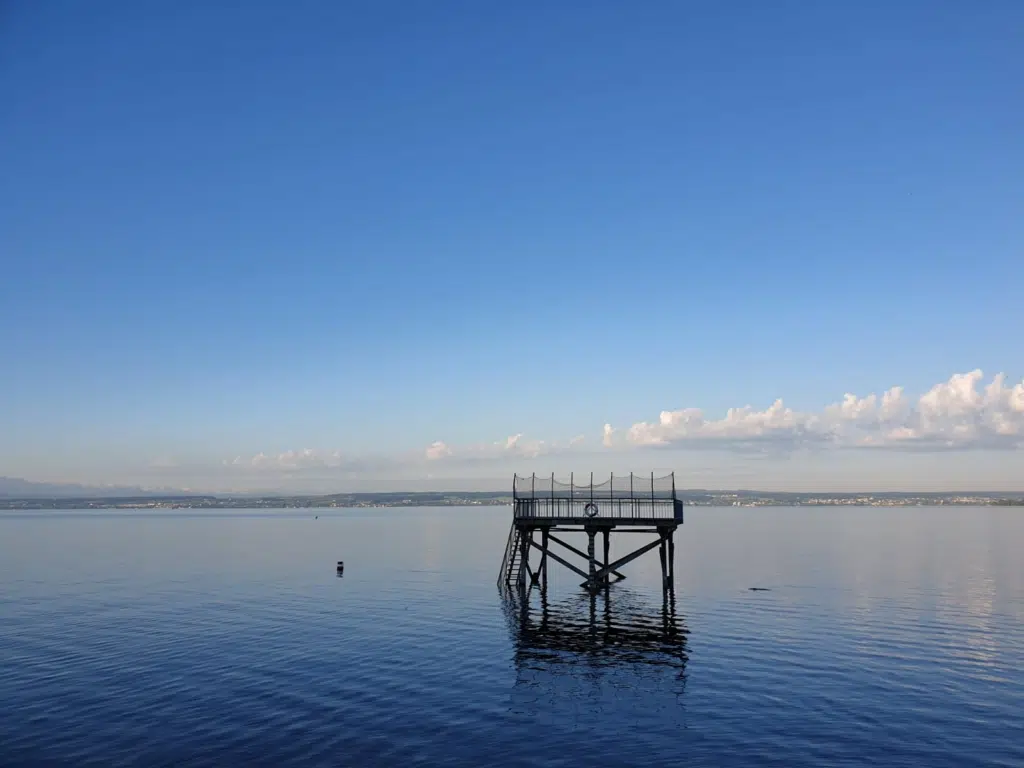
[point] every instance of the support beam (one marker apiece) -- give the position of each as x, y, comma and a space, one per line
663, 556
602, 572
671, 560
591, 579
566, 563
531, 578
583, 554
607, 549
524, 555
530, 575
626, 526
544, 535
535, 574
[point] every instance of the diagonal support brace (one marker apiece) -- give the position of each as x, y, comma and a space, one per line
558, 559
581, 553
601, 573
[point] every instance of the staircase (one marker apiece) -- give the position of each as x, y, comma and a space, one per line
511, 563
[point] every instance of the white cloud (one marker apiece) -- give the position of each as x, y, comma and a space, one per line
951, 415
512, 447
437, 450
961, 413
608, 436
308, 458
304, 460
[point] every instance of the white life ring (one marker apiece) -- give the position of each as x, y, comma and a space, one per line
590, 510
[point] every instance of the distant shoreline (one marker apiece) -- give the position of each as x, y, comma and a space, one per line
468, 499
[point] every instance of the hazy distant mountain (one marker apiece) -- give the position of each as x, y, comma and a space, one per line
16, 487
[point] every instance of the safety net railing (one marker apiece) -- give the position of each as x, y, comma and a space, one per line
625, 487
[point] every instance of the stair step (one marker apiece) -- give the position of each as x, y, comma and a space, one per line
513, 561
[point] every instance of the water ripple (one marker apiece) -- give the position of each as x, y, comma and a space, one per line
214, 640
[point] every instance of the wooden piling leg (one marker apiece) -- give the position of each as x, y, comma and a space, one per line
544, 560
524, 539
531, 577
672, 561
607, 551
664, 564
591, 583
535, 577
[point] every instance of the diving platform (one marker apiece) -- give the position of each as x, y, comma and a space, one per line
544, 507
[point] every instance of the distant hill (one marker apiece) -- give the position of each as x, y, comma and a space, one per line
18, 488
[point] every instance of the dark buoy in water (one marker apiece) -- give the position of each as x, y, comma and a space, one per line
752, 589
341, 567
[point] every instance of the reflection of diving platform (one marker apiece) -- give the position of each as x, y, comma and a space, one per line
543, 507
614, 655
618, 628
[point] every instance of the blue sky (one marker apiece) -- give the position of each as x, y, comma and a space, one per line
235, 235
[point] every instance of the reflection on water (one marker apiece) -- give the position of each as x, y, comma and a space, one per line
584, 655
889, 637
608, 629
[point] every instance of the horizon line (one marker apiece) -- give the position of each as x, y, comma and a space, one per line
509, 492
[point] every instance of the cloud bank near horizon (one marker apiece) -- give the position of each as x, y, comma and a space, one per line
961, 413
952, 415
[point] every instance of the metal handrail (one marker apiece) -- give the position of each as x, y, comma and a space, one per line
504, 559
617, 509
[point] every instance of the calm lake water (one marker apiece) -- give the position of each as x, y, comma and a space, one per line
888, 637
